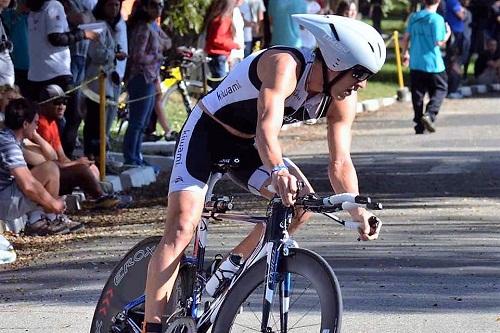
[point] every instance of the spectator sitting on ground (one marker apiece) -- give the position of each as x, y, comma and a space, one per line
487, 65
23, 191
78, 173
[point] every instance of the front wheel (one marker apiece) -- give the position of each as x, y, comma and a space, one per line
314, 303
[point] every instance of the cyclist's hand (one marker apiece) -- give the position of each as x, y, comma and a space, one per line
285, 185
366, 231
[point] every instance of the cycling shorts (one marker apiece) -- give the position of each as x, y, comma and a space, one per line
204, 142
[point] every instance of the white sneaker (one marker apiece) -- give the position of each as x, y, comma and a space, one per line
7, 253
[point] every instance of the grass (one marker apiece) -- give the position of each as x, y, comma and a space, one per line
385, 82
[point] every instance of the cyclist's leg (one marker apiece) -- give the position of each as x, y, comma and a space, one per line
187, 188
183, 213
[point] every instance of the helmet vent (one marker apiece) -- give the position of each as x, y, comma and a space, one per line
334, 31
379, 50
371, 46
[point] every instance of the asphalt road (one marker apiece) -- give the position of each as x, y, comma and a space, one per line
436, 267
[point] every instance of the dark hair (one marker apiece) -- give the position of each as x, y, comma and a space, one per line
35, 5
342, 7
18, 111
430, 2
138, 15
218, 8
100, 15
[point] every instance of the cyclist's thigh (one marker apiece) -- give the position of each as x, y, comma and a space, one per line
191, 165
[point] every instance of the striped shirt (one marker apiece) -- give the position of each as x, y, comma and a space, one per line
11, 157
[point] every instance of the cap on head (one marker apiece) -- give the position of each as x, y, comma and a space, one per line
51, 91
345, 42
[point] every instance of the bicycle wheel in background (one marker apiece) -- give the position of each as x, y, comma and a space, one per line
126, 283
315, 303
177, 105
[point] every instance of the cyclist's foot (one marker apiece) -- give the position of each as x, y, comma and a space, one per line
152, 328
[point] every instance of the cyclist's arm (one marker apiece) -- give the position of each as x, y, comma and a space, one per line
278, 75
341, 171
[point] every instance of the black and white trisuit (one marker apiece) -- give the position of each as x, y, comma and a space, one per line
203, 141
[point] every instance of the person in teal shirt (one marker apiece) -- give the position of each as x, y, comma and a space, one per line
425, 34
15, 21
284, 31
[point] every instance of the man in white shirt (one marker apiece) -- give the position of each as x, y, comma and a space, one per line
50, 61
6, 65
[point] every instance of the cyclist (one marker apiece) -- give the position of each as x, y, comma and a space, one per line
242, 118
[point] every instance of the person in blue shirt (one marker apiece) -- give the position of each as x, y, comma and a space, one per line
425, 34
284, 31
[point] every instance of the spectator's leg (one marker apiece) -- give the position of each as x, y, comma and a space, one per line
112, 111
21, 77
73, 120
417, 83
139, 112
91, 130
217, 65
82, 176
47, 173
248, 48
453, 81
438, 88
148, 110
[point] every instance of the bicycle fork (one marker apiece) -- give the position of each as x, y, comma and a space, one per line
276, 229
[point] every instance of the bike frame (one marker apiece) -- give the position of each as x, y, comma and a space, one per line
274, 243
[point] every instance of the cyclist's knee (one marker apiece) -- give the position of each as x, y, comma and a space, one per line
183, 214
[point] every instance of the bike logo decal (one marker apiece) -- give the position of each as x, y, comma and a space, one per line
138, 257
103, 310
229, 90
98, 326
178, 180
180, 147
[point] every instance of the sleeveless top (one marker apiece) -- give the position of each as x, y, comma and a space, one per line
234, 101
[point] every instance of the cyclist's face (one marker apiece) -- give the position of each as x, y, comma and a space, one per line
346, 85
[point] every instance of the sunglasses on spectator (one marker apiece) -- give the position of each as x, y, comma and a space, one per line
60, 101
360, 73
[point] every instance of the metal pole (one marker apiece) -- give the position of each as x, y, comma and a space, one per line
102, 124
398, 60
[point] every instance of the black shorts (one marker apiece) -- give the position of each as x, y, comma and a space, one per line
204, 142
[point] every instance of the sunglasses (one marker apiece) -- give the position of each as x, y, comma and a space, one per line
60, 101
360, 73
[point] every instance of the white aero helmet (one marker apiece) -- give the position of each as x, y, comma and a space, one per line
345, 42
